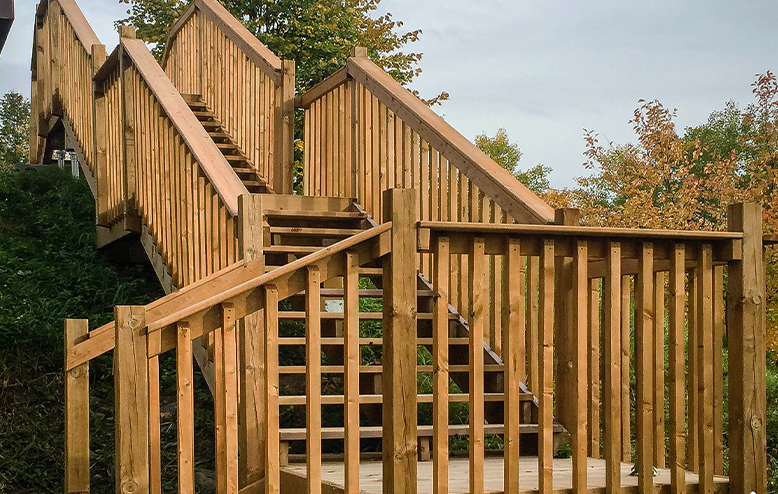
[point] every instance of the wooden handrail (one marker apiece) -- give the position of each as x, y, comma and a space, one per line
83, 30
230, 282
510, 194
581, 231
236, 32
211, 160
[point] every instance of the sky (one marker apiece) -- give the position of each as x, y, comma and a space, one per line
546, 69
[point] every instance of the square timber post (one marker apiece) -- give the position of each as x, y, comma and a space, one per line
399, 324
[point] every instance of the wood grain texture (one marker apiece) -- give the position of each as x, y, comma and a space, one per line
76, 414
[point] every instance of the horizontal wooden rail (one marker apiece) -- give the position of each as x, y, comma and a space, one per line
236, 280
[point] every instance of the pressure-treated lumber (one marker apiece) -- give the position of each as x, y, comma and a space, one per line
132, 400
352, 358
611, 331
546, 365
313, 379
676, 375
747, 364
76, 414
399, 326
477, 320
270, 402
440, 335
644, 349
185, 409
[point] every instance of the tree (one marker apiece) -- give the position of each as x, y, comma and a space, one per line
14, 129
507, 154
317, 34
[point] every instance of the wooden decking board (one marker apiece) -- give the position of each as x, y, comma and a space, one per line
370, 474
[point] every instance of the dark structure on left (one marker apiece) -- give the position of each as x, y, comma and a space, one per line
6, 19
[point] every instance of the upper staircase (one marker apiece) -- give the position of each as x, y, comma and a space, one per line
414, 292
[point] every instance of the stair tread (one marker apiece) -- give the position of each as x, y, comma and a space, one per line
283, 213
298, 434
315, 231
291, 249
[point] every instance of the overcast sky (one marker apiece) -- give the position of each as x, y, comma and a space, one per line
545, 70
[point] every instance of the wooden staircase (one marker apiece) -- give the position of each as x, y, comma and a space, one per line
244, 169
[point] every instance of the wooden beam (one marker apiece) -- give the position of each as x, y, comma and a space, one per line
132, 400
747, 361
677, 372
611, 331
76, 414
644, 363
440, 335
313, 380
399, 325
185, 410
513, 341
352, 359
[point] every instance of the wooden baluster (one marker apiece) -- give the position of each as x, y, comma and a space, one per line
677, 370
440, 335
718, 369
593, 368
313, 380
132, 400
270, 402
185, 407
513, 309
692, 437
533, 313
230, 407
352, 360
579, 354
626, 313
705, 318
76, 413
659, 369
747, 361
155, 433
611, 329
400, 349
477, 320
644, 350
546, 365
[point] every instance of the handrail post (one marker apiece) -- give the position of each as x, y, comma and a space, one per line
747, 360
131, 384
76, 413
100, 166
284, 139
253, 378
128, 133
565, 326
399, 325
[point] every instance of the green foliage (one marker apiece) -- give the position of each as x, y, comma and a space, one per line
317, 35
14, 129
49, 271
507, 154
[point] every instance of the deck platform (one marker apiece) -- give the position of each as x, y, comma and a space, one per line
370, 473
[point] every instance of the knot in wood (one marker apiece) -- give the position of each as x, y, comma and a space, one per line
129, 486
132, 323
756, 423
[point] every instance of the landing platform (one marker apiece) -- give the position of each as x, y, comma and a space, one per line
370, 474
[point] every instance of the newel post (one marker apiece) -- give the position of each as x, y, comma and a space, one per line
399, 358
131, 221
251, 341
283, 174
747, 362
131, 385
76, 412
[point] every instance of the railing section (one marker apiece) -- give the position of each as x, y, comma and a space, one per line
62, 69
246, 449
247, 87
364, 133
592, 283
156, 162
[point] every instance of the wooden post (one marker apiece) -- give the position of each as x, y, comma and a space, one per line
99, 167
76, 413
611, 330
284, 139
565, 327
128, 128
251, 414
132, 400
747, 364
399, 323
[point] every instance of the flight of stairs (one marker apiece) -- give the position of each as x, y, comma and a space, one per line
244, 169
291, 234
